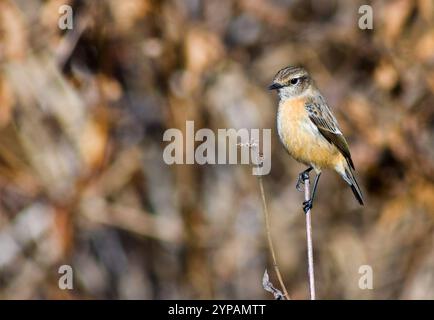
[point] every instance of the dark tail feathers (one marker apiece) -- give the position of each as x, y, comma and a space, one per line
354, 185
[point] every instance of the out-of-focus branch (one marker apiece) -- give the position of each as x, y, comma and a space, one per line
70, 40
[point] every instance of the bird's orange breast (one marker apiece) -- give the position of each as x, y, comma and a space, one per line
302, 138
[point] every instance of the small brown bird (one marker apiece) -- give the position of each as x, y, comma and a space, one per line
309, 131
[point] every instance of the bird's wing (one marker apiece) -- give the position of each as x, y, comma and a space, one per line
321, 116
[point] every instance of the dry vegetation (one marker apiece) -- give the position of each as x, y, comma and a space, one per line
82, 181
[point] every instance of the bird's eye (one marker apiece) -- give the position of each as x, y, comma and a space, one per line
294, 81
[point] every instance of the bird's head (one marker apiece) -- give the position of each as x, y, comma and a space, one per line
291, 82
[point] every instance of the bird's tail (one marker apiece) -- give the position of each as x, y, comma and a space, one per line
351, 180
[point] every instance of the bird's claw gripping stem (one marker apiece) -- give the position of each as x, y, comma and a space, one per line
307, 205
302, 177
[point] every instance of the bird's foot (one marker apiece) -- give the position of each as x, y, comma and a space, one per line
307, 205
302, 177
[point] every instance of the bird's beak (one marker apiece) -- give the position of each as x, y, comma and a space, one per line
274, 86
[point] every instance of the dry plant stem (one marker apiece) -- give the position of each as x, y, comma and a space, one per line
270, 241
309, 243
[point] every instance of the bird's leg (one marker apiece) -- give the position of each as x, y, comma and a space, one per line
309, 203
302, 177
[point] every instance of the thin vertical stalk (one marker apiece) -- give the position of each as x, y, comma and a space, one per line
309, 243
269, 239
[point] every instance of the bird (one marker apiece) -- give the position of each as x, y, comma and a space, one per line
310, 132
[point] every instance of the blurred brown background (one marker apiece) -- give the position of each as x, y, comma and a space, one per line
83, 182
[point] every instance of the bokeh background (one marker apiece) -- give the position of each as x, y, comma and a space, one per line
82, 178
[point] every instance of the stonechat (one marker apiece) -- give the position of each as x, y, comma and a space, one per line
309, 131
